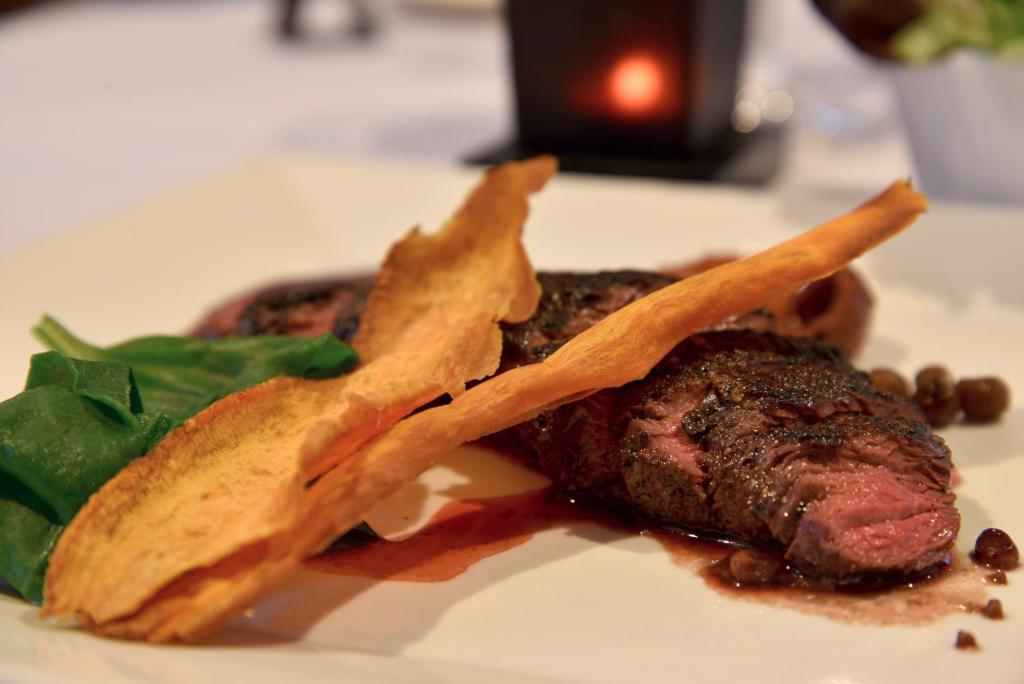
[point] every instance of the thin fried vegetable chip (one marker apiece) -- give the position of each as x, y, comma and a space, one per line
208, 496
609, 354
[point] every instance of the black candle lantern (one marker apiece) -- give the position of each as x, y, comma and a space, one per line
627, 86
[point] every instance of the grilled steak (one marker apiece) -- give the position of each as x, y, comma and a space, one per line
766, 439
572, 302
297, 309
771, 440
836, 309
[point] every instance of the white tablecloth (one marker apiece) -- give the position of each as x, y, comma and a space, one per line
107, 101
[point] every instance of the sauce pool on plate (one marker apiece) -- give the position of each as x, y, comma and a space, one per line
463, 533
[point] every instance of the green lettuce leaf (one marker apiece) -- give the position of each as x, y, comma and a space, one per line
995, 26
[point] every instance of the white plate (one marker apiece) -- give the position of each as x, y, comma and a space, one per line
595, 606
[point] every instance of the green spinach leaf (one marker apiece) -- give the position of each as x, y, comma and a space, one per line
28, 533
181, 375
88, 411
71, 430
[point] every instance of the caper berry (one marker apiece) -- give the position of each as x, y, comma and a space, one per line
937, 396
983, 400
888, 380
995, 549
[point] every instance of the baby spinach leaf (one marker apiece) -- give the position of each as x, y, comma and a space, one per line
87, 411
71, 430
28, 533
64, 446
181, 375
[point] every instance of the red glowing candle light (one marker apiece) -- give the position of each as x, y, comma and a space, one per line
636, 85
598, 80
633, 87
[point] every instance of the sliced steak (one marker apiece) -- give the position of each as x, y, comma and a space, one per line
836, 309
766, 439
569, 304
771, 440
298, 309
572, 302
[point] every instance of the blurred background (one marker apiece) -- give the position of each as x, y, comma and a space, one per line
103, 102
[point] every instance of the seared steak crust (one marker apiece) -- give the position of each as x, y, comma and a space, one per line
307, 310
770, 440
572, 302
569, 304
297, 309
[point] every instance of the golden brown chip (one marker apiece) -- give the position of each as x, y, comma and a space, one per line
211, 494
607, 355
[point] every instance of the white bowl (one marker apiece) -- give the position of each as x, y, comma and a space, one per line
964, 117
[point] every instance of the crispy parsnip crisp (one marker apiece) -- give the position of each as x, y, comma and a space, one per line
210, 495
